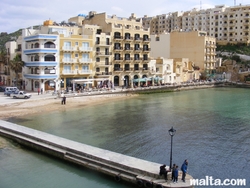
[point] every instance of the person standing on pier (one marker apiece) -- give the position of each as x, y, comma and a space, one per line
173, 168
184, 170
176, 173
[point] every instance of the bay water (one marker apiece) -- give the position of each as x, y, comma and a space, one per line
213, 133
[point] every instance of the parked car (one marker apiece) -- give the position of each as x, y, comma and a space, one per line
2, 88
7, 89
20, 95
9, 92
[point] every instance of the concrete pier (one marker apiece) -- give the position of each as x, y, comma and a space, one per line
121, 167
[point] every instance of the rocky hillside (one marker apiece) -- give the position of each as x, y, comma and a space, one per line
8, 37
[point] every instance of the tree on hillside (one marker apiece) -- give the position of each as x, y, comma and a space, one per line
16, 65
3, 57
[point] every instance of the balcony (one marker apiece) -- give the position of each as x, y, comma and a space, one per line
146, 50
128, 69
118, 49
69, 72
128, 39
246, 29
185, 69
103, 64
103, 74
100, 43
137, 49
137, 59
168, 71
137, 69
128, 59
128, 49
246, 23
146, 40
68, 60
103, 53
118, 38
118, 59
85, 60
40, 76
118, 69
85, 49
40, 50
146, 60
69, 48
18, 51
138, 40
84, 72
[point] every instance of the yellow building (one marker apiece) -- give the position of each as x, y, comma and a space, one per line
197, 47
121, 48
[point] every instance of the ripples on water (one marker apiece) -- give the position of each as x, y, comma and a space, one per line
212, 130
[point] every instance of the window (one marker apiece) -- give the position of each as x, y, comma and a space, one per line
36, 84
67, 69
76, 55
36, 58
85, 68
157, 39
76, 43
66, 56
36, 45
86, 56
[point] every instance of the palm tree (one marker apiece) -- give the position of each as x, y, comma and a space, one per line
16, 65
3, 60
3, 57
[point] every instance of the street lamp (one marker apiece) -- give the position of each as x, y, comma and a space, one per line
171, 132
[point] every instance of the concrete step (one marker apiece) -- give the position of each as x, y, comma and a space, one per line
100, 164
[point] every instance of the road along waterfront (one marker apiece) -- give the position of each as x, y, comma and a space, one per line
212, 132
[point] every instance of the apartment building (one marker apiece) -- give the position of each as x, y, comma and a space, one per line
9, 77
122, 48
55, 54
226, 24
199, 48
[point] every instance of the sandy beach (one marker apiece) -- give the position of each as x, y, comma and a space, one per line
47, 105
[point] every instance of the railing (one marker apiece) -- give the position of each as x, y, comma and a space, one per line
65, 60
85, 60
69, 72
118, 69
69, 48
84, 71
85, 49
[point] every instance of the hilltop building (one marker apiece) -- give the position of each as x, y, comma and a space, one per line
226, 24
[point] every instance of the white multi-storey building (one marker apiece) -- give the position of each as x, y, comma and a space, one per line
41, 57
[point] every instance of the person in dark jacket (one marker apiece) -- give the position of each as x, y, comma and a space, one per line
176, 173
184, 170
164, 172
173, 168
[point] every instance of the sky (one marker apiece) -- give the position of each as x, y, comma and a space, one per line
19, 14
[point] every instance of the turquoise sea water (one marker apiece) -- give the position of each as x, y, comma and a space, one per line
213, 133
